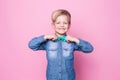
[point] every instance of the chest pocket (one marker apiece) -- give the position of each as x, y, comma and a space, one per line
52, 49
67, 49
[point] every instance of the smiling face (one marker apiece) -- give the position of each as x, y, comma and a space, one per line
61, 25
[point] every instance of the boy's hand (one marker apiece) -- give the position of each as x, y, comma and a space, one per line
71, 39
50, 37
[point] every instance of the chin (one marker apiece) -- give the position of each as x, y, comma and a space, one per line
62, 32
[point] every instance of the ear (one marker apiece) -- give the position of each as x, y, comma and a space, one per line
53, 25
69, 26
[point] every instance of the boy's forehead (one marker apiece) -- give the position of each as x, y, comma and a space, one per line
62, 17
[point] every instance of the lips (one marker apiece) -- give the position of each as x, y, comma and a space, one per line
61, 28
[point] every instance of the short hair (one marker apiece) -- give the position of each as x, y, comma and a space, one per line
60, 12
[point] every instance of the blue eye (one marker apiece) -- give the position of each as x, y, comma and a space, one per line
65, 23
58, 23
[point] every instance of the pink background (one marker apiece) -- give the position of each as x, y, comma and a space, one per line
97, 21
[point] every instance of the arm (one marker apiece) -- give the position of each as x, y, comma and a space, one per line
37, 43
83, 46
80, 44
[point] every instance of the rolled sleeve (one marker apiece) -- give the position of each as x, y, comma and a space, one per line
37, 43
83, 46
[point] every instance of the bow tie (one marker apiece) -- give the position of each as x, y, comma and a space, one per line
61, 38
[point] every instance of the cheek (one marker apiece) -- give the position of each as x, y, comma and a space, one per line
56, 26
67, 27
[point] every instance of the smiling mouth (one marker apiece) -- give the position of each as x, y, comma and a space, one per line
61, 28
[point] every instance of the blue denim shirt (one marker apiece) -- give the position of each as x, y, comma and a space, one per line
60, 56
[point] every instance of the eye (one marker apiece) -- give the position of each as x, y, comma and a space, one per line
65, 22
58, 23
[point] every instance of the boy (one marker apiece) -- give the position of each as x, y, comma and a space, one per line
60, 47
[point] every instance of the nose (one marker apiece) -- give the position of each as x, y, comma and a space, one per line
62, 25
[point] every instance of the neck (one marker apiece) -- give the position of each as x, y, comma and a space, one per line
60, 34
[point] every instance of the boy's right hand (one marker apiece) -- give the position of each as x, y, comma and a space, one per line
50, 37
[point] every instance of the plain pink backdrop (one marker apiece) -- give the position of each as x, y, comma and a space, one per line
97, 21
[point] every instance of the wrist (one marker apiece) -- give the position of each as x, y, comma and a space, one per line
45, 38
76, 40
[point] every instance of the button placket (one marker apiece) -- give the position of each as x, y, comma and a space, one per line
60, 61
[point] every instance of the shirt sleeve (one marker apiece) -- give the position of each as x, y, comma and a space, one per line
83, 46
37, 43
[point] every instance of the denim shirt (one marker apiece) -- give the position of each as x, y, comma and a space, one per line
60, 56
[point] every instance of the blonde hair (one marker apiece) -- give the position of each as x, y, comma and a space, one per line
60, 12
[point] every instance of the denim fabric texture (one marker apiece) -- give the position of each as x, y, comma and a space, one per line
60, 56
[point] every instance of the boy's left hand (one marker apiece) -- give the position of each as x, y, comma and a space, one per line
71, 39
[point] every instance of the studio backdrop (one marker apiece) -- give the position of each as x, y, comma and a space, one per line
97, 21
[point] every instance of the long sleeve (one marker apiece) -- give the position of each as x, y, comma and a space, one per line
83, 46
37, 43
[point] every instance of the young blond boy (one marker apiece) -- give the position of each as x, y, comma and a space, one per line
60, 47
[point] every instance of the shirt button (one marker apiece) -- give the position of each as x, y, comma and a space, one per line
60, 72
59, 64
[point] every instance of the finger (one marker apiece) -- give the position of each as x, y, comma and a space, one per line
53, 39
67, 40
